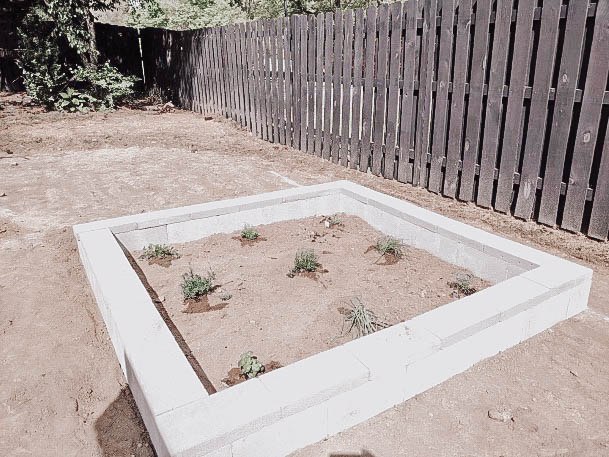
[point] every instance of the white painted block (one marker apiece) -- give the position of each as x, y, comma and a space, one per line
357, 405
311, 381
285, 436
462, 318
217, 421
387, 352
578, 301
559, 274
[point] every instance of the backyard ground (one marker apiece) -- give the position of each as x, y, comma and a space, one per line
61, 389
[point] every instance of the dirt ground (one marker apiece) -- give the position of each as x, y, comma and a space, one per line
61, 389
257, 307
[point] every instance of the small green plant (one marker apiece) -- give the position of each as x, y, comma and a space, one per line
332, 221
159, 251
463, 284
362, 320
389, 245
305, 260
249, 233
249, 365
195, 286
74, 101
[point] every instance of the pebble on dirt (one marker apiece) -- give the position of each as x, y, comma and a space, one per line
500, 415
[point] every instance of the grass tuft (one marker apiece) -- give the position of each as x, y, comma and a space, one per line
249, 233
389, 245
195, 286
305, 260
159, 251
362, 320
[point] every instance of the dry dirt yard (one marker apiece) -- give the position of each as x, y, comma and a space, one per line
61, 390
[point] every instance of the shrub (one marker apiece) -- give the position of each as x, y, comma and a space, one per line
195, 286
249, 365
249, 233
159, 251
305, 260
362, 320
389, 245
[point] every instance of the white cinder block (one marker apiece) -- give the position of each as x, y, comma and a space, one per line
285, 436
387, 352
311, 381
558, 274
548, 313
462, 318
138, 239
357, 405
578, 301
217, 421
485, 266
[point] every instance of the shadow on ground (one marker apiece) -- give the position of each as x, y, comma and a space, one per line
120, 430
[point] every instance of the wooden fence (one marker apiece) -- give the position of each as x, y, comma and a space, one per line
500, 102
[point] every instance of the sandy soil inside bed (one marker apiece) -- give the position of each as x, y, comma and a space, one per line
258, 307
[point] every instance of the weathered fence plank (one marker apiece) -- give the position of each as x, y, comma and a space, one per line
311, 85
409, 72
476, 99
588, 127
515, 111
393, 97
356, 100
380, 107
319, 83
328, 64
568, 77
347, 84
546, 53
441, 109
494, 102
369, 64
336, 84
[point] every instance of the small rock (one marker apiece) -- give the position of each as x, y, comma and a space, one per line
27, 100
500, 415
2, 194
574, 373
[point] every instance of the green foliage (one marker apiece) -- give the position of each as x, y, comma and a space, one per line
249, 365
195, 286
58, 57
186, 14
362, 320
159, 251
305, 260
463, 284
249, 233
389, 245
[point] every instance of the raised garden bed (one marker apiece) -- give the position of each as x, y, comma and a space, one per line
257, 304
329, 391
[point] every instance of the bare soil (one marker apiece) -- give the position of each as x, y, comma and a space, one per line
61, 389
284, 317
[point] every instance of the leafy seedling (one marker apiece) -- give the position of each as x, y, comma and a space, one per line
332, 221
305, 261
249, 233
362, 320
462, 284
389, 245
195, 286
249, 365
159, 251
